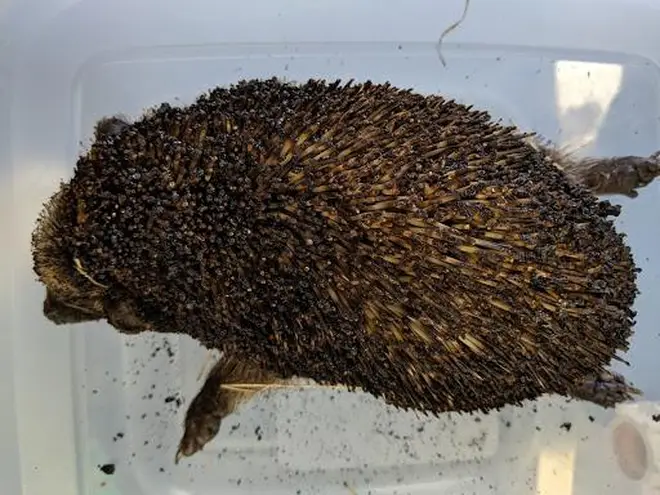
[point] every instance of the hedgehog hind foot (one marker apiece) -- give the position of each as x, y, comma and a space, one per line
606, 389
200, 429
229, 383
623, 175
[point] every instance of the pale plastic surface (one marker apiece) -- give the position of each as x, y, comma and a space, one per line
571, 70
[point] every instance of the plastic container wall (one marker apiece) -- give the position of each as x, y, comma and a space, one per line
583, 73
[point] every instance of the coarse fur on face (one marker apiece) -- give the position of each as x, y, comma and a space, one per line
72, 296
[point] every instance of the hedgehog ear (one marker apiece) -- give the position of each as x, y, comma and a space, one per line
110, 126
123, 315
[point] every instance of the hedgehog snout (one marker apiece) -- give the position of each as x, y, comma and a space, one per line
68, 312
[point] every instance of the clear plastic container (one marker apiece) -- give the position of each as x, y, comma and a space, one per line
580, 72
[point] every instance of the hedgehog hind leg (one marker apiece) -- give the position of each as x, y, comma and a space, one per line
623, 175
217, 399
606, 389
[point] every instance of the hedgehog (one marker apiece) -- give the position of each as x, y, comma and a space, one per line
354, 234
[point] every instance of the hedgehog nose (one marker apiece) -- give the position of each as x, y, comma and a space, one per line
49, 306
50, 310
61, 314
